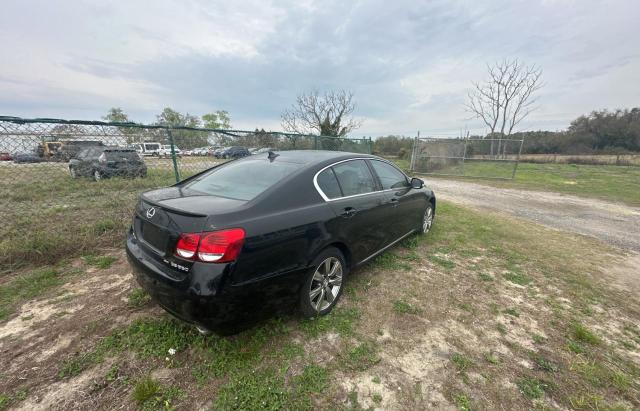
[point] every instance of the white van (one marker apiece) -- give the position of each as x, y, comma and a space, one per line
148, 149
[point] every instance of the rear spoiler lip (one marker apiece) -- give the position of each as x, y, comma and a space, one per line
173, 210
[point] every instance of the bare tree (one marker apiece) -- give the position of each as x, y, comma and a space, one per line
329, 114
505, 98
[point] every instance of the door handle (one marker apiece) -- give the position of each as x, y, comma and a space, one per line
394, 202
349, 212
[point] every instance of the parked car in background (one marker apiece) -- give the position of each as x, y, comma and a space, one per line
165, 151
219, 152
148, 149
235, 152
105, 162
238, 241
4, 156
264, 150
26, 158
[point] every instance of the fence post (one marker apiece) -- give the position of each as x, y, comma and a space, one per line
370, 145
173, 156
515, 167
315, 142
464, 153
413, 153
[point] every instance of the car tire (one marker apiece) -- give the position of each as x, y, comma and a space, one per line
427, 220
324, 283
97, 176
73, 173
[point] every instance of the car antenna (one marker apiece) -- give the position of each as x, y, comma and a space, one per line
272, 156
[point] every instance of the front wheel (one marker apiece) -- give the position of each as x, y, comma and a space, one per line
97, 176
427, 219
323, 286
72, 172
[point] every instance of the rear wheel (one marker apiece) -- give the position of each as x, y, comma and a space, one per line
97, 176
323, 286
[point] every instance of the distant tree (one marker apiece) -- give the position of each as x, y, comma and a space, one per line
116, 115
505, 98
219, 119
329, 114
183, 138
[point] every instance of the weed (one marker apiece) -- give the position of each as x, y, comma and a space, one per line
104, 226
361, 357
259, 390
501, 328
462, 402
101, 261
491, 358
574, 347
583, 334
485, 277
146, 390
4, 401
461, 362
442, 262
531, 388
313, 379
113, 372
376, 380
537, 338
341, 320
517, 278
377, 398
545, 364
138, 298
403, 307
511, 311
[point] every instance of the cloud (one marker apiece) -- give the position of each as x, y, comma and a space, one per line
409, 63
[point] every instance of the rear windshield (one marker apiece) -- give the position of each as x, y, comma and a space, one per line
243, 180
121, 155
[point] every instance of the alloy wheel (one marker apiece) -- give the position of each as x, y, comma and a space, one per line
427, 220
97, 176
326, 284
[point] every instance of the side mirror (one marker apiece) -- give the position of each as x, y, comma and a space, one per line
416, 183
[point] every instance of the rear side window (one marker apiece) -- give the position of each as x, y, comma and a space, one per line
243, 180
115, 155
328, 184
389, 176
354, 177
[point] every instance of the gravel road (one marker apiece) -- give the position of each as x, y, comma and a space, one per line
613, 223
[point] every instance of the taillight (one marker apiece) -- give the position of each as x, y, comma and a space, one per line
102, 158
187, 245
216, 246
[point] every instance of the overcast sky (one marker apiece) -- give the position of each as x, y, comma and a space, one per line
409, 63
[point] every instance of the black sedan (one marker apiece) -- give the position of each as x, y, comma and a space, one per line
238, 240
100, 162
235, 152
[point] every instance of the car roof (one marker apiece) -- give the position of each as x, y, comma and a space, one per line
311, 157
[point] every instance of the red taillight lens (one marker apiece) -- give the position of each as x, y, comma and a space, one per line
217, 246
221, 246
187, 245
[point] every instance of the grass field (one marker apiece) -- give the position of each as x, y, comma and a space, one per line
483, 313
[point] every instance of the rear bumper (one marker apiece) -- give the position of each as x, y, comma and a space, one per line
204, 296
137, 171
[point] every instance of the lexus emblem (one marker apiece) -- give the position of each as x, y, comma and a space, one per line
151, 212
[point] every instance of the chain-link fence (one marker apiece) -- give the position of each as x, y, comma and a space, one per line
51, 205
466, 157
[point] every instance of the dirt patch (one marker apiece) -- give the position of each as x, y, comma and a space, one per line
47, 330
